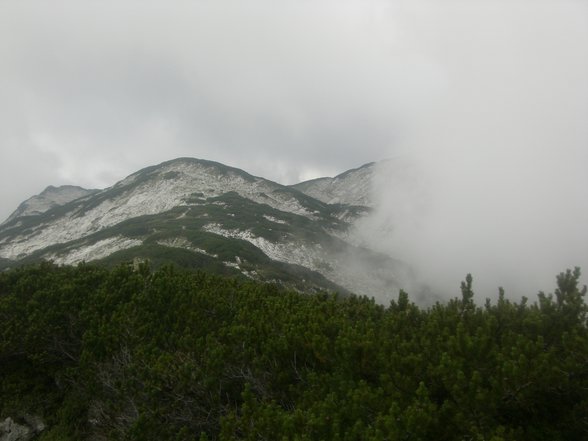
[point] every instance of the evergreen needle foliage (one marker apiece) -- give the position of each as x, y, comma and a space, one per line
131, 354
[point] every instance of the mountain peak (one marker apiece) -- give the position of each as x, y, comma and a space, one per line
49, 198
204, 214
352, 187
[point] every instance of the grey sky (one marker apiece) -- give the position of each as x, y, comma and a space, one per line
489, 98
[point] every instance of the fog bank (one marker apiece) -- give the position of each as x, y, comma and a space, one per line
491, 179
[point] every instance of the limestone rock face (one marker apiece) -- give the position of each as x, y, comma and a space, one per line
26, 430
206, 215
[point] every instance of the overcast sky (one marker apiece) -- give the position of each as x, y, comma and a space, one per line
488, 97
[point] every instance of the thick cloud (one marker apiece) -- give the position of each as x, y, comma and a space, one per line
495, 182
487, 99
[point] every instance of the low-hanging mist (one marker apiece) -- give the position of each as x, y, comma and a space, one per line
491, 178
514, 230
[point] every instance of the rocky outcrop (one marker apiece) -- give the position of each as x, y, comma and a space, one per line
27, 428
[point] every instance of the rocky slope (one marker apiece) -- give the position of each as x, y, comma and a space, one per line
49, 198
353, 187
202, 214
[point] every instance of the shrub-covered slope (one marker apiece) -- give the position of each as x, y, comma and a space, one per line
132, 354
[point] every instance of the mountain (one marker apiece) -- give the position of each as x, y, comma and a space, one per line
352, 187
202, 214
49, 198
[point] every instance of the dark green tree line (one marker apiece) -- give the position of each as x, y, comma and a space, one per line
139, 355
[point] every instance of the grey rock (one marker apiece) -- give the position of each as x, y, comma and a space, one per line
29, 427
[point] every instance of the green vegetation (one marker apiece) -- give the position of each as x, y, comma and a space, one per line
133, 354
5, 263
158, 256
230, 211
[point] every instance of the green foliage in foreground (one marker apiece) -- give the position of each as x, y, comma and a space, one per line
133, 355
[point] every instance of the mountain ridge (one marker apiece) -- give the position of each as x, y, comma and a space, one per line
340, 189
50, 197
204, 214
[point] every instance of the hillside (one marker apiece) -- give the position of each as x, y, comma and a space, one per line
129, 354
353, 187
49, 198
205, 215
